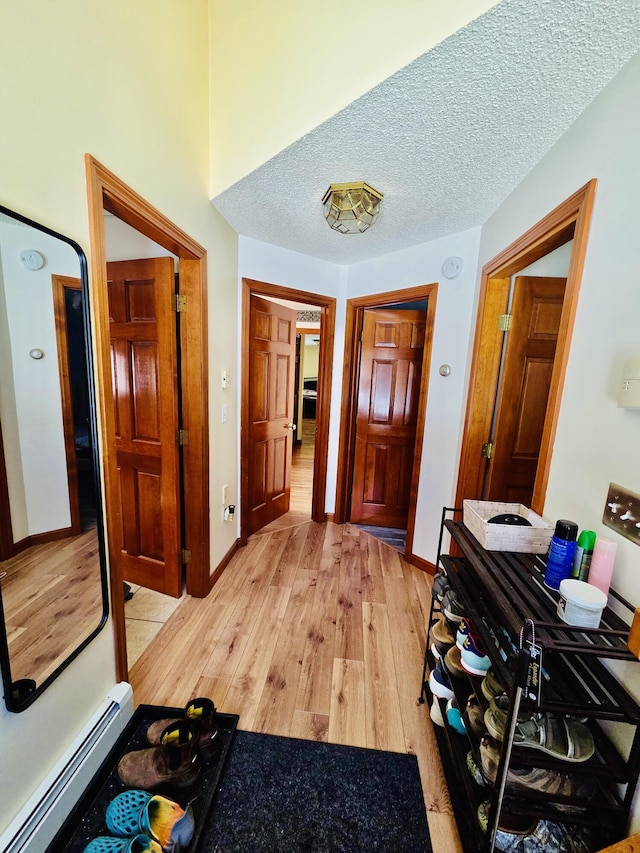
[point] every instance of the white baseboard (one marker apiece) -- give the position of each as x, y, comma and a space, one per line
36, 824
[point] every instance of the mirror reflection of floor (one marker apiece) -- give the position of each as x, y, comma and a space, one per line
145, 614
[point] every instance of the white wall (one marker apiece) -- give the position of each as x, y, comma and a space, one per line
596, 442
404, 269
445, 413
303, 62
129, 84
35, 452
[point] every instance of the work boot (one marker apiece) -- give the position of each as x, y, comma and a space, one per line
201, 713
174, 761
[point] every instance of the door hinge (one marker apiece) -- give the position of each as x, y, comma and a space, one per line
504, 322
185, 556
179, 303
487, 450
182, 437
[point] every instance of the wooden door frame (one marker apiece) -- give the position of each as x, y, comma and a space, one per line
106, 191
570, 220
353, 325
327, 306
59, 284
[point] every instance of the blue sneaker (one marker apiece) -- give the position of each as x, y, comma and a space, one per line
462, 633
473, 658
454, 717
439, 682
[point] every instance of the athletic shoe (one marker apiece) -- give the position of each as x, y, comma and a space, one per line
541, 836
474, 770
439, 682
473, 717
451, 606
436, 714
440, 586
462, 632
452, 661
441, 638
454, 718
490, 686
540, 779
472, 656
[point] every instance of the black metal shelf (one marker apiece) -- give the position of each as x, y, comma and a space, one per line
500, 592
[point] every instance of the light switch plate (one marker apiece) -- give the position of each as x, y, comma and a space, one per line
622, 512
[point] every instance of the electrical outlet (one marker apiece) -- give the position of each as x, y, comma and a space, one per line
622, 512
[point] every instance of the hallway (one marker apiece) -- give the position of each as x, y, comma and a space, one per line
316, 631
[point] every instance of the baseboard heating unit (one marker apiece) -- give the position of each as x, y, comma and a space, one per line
35, 826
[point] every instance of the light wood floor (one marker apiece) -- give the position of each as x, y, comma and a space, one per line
314, 631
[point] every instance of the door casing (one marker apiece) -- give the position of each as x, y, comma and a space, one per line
106, 191
353, 324
327, 306
570, 220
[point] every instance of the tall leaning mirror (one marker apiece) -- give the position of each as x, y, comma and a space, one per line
53, 584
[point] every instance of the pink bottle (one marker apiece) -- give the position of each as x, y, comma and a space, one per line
601, 569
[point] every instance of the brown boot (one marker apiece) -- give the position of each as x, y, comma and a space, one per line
174, 761
201, 713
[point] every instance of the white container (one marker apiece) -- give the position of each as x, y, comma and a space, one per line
532, 539
580, 603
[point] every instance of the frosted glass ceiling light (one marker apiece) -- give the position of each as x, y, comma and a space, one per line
351, 208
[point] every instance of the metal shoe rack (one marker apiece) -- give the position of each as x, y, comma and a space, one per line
502, 592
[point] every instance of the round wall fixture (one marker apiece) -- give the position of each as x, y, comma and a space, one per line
444, 369
36, 353
31, 260
452, 267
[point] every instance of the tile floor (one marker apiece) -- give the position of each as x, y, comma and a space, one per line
145, 614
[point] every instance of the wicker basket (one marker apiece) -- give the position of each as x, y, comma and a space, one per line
507, 537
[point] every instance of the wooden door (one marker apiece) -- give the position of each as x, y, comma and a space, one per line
272, 353
145, 397
528, 365
388, 395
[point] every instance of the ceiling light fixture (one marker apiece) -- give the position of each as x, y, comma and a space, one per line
351, 208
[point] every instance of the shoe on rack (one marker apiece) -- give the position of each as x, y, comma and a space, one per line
451, 607
473, 657
454, 718
462, 633
490, 686
539, 779
135, 812
474, 770
201, 713
440, 683
441, 637
440, 586
541, 836
562, 737
436, 714
473, 717
453, 663
175, 761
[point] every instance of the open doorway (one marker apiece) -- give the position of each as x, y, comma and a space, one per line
567, 224
386, 377
261, 454
107, 193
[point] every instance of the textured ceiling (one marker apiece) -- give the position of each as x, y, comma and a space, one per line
448, 137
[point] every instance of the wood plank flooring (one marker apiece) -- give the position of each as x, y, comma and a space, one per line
314, 631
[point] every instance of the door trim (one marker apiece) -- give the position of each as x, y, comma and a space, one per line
569, 220
327, 305
106, 191
353, 324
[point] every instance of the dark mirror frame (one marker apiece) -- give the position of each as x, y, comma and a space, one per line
20, 694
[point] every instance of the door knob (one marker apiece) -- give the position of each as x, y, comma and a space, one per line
289, 426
